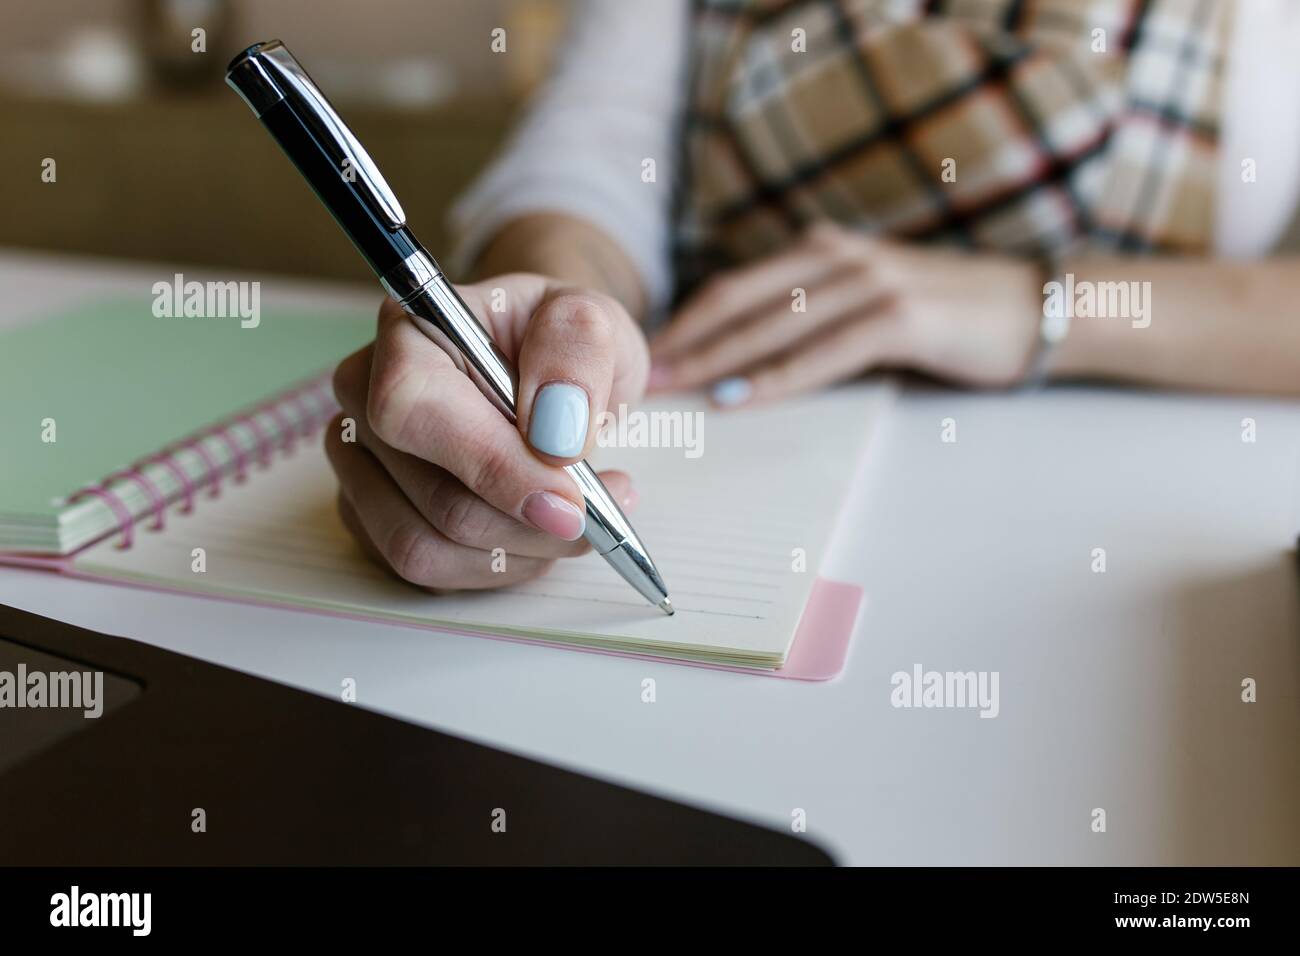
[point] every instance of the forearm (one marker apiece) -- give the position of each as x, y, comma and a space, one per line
567, 248
1233, 326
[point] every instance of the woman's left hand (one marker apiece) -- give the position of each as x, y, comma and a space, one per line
868, 303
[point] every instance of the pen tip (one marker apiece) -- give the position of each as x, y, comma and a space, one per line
666, 606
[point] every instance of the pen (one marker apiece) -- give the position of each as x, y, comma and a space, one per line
296, 114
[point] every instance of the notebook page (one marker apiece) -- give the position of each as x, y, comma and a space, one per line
737, 523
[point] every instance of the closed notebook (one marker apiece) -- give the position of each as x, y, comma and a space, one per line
109, 388
737, 508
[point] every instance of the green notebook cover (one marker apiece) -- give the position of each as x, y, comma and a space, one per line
111, 382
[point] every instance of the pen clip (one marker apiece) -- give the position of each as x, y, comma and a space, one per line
266, 73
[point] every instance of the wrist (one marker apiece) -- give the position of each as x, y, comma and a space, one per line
566, 248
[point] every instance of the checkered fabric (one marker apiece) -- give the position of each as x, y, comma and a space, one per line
1032, 127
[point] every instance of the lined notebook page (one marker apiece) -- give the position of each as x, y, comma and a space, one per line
738, 532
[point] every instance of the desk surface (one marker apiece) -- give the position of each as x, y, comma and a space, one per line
1120, 690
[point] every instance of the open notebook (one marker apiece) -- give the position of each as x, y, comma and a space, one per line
243, 507
738, 532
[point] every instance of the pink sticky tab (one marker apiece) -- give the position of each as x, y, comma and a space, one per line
821, 642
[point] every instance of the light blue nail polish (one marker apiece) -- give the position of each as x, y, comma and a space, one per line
559, 423
732, 391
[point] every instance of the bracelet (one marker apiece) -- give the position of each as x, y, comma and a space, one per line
1052, 327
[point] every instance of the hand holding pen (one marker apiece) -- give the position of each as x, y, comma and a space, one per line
438, 478
437, 399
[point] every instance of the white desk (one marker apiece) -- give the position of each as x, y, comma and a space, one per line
1118, 690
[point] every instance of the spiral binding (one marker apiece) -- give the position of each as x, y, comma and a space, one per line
311, 414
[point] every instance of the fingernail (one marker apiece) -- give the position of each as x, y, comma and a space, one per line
559, 422
660, 375
555, 515
630, 499
732, 391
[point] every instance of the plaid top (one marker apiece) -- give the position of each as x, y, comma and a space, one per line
1025, 126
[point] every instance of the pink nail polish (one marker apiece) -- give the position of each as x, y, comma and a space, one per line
549, 512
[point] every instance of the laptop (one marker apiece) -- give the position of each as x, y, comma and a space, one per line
120, 753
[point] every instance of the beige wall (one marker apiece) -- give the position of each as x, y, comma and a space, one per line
148, 175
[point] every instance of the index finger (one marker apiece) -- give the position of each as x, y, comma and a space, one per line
421, 403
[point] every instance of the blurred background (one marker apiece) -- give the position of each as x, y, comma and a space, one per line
156, 159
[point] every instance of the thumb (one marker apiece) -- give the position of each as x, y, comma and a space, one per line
579, 351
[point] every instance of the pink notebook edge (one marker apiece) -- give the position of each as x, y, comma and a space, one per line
817, 653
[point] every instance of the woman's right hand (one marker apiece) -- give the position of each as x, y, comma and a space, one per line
437, 484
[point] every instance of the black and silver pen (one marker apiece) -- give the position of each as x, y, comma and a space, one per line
346, 180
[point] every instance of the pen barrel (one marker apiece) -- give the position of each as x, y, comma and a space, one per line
316, 140
442, 315
382, 245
